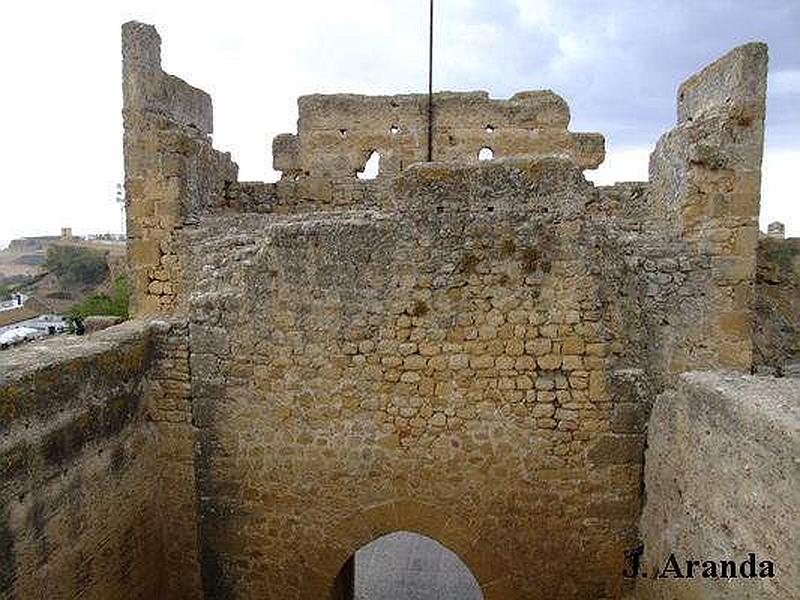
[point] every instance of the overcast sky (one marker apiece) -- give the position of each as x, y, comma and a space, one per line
618, 64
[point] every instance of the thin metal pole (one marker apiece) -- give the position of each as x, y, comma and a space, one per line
430, 89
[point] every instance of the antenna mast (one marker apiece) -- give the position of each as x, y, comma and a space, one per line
430, 88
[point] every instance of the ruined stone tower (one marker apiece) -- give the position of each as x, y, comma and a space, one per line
465, 349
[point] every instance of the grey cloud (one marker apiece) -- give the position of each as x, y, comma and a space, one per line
640, 52
636, 54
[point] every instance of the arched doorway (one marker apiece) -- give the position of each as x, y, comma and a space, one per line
405, 566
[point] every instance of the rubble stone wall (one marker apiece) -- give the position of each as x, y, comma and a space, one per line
169, 403
89, 485
706, 175
170, 168
77, 498
464, 349
338, 133
173, 174
777, 306
442, 368
689, 236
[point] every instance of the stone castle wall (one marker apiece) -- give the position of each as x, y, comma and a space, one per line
77, 498
777, 306
169, 167
95, 501
465, 349
338, 133
450, 347
689, 236
444, 368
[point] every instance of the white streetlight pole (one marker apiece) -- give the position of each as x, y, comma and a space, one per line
121, 201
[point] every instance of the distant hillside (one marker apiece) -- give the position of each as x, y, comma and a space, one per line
63, 273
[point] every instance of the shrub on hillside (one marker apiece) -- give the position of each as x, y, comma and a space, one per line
115, 304
74, 265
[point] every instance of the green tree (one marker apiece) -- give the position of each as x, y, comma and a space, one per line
74, 265
114, 304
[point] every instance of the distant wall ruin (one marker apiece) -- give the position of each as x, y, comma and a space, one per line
337, 133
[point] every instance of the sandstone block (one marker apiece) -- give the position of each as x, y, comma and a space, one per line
549, 362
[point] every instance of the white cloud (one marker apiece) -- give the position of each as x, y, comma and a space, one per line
621, 164
780, 198
573, 48
784, 82
535, 13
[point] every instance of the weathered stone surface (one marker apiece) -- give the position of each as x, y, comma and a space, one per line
733, 86
616, 450
500, 322
96, 500
338, 133
693, 230
385, 353
149, 90
721, 479
776, 230
170, 167
100, 322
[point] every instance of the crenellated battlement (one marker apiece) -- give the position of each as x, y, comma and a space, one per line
338, 133
174, 176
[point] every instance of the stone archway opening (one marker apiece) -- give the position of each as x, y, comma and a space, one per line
371, 168
485, 153
405, 566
